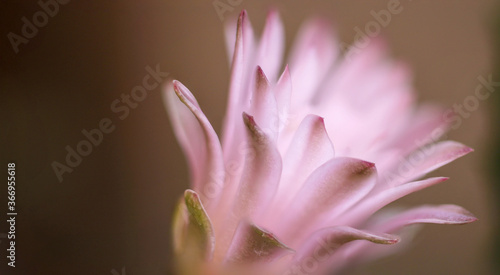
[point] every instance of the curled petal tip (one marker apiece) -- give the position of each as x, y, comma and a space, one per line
260, 71
366, 168
178, 86
248, 119
272, 13
385, 239
243, 14
471, 218
368, 164
442, 179
316, 118
465, 215
184, 94
261, 74
261, 79
251, 124
468, 150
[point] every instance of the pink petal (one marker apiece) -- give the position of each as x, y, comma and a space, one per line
261, 173
230, 29
352, 71
425, 126
238, 87
283, 94
252, 245
315, 255
328, 191
423, 161
263, 106
271, 47
199, 140
440, 214
313, 54
373, 203
310, 148
359, 253
259, 182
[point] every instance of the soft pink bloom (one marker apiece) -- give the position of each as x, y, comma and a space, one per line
309, 155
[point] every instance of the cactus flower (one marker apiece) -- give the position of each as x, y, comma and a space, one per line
312, 149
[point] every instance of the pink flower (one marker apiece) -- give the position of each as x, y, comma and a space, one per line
308, 158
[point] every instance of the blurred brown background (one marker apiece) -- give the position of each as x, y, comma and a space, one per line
114, 209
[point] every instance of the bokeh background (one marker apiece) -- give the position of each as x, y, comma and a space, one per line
112, 213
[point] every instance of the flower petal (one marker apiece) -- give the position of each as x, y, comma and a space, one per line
355, 254
440, 214
283, 94
259, 182
271, 47
373, 203
263, 106
310, 148
425, 126
313, 54
424, 160
199, 140
321, 245
328, 191
261, 174
239, 94
251, 245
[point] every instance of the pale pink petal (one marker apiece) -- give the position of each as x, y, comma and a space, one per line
310, 148
238, 88
440, 214
199, 140
254, 245
313, 54
372, 204
350, 72
230, 29
288, 121
425, 126
422, 127
355, 254
423, 161
188, 132
261, 173
271, 46
263, 106
328, 191
283, 94
315, 255
258, 185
